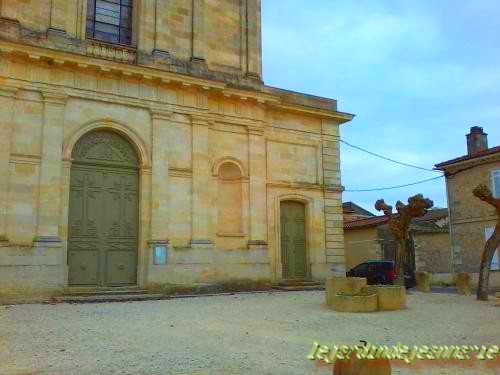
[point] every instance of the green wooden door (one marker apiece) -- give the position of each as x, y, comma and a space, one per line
293, 240
103, 212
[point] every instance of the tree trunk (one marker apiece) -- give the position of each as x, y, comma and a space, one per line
484, 270
400, 262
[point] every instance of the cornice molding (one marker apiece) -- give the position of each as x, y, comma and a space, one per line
257, 128
54, 97
465, 165
8, 91
72, 60
201, 119
159, 113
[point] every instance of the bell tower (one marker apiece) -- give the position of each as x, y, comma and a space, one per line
217, 38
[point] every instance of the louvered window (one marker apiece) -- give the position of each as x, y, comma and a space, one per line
110, 21
495, 177
495, 266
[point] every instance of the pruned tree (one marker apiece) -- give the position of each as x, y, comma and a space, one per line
484, 193
399, 225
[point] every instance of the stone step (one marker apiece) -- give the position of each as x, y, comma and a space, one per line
298, 282
298, 288
104, 292
100, 298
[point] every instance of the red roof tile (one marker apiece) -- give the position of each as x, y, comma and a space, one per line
487, 152
431, 215
366, 223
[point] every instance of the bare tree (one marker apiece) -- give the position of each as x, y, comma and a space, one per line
399, 224
484, 193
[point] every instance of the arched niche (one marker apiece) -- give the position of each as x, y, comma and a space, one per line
229, 198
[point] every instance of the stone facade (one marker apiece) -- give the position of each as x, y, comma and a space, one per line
432, 251
211, 141
469, 217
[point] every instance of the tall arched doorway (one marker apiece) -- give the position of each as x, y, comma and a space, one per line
293, 239
103, 211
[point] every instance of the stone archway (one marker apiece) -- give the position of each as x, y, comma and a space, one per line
103, 211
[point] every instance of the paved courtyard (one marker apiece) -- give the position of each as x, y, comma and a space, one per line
267, 333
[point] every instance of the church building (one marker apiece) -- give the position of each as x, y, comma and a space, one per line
139, 147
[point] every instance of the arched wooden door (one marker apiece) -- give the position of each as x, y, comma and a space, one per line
293, 240
103, 211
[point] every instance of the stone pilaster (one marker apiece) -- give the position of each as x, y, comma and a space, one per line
199, 32
7, 103
257, 176
9, 9
254, 39
159, 185
201, 223
334, 231
145, 39
57, 18
50, 170
160, 51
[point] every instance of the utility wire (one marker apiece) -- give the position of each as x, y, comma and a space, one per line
394, 187
388, 159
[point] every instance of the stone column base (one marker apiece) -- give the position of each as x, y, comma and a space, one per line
47, 241
199, 64
4, 241
257, 245
51, 32
201, 244
161, 56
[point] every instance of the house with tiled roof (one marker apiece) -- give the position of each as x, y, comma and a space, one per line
369, 238
352, 212
472, 221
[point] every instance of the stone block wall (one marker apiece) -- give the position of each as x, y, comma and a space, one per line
212, 38
469, 216
433, 252
183, 130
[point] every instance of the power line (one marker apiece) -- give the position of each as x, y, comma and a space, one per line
388, 159
394, 187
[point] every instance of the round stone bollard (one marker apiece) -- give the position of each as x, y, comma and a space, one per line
463, 283
423, 281
355, 366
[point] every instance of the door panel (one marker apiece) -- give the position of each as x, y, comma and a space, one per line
85, 230
293, 240
103, 212
83, 266
121, 267
120, 213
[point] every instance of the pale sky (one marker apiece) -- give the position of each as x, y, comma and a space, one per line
416, 73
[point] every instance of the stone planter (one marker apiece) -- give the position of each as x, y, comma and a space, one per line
423, 281
350, 303
343, 285
391, 297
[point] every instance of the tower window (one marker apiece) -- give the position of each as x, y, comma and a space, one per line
110, 20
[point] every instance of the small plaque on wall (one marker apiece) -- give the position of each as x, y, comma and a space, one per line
160, 255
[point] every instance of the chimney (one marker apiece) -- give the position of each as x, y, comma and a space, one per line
477, 140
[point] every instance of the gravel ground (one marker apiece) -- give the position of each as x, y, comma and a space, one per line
269, 333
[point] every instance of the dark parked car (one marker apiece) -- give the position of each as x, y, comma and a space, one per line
380, 272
